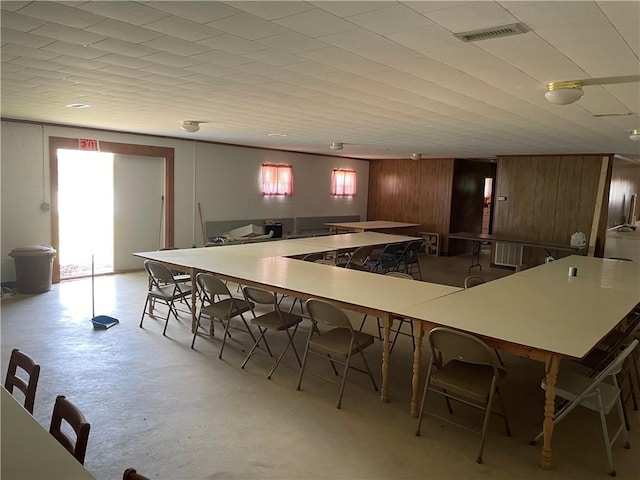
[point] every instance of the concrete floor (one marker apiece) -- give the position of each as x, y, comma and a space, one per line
176, 413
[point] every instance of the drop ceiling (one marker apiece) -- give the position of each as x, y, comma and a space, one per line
387, 79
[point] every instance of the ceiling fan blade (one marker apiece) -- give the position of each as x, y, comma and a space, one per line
610, 80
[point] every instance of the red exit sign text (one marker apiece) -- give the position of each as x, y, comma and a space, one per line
88, 144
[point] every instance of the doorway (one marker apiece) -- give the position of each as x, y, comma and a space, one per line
85, 208
164, 157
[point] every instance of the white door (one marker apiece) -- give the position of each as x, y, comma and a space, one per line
138, 208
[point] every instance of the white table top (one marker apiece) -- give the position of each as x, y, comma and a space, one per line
565, 317
372, 225
600, 272
29, 451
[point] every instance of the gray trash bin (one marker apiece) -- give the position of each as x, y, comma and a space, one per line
34, 267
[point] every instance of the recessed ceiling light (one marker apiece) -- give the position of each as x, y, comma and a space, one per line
77, 105
336, 146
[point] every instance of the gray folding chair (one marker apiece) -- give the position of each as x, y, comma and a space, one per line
597, 395
463, 368
163, 288
473, 280
340, 340
411, 258
218, 304
275, 320
359, 259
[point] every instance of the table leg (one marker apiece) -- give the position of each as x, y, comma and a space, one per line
418, 333
552, 368
475, 255
194, 301
386, 328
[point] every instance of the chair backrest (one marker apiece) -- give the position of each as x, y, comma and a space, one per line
67, 411
461, 346
158, 273
324, 261
328, 314
258, 295
360, 256
312, 257
406, 276
211, 286
27, 387
473, 280
613, 367
411, 251
131, 474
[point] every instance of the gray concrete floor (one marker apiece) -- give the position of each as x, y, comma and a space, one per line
176, 413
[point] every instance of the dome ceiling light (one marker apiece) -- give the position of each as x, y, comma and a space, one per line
190, 126
335, 146
564, 93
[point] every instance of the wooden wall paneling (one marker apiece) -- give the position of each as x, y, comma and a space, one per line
505, 170
568, 199
545, 196
434, 210
625, 181
589, 181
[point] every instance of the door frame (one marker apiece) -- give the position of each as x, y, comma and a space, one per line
162, 153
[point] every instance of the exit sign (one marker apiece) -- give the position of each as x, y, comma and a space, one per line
88, 145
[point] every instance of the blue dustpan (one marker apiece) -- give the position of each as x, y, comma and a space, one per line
101, 321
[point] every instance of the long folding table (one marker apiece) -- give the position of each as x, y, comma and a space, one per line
541, 313
29, 451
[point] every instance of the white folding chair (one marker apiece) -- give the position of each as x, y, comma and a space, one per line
594, 394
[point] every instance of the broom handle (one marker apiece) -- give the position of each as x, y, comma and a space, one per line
161, 218
93, 306
204, 237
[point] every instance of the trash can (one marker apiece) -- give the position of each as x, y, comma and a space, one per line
276, 228
34, 267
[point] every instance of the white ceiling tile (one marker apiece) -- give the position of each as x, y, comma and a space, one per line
355, 40
171, 60
82, 64
471, 16
8, 35
548, 14
274, 57
362, 67
72, 49
260, 69
316, 23
309, 67
28, 52
332, 56
232, 44
58, 13
293, 42
248, 79
123, 71
183, 29
423, 38
393, 19
210, 69
124, 61
68, 34
176, 46
247, 26
130, 12
200, 12
346, 9
37, 63
123, 31
12, 6
621, 13
121, 47
19, 22
271, 10
223, 59
390, 54
631, 34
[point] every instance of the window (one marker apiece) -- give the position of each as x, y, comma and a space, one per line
277, 179
343, 182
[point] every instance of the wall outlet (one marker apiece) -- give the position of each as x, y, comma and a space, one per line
502, 198
45, 207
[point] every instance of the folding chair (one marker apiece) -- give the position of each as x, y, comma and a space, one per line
359, 259
341, 340
410, 258
275, 320
463, 368
164, 288
594, 394
219, 304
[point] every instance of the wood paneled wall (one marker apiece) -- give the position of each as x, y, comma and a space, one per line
625, 181
547, 198
412, 191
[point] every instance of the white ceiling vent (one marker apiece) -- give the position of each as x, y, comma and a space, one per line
492, 32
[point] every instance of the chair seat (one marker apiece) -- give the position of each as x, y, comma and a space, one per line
222, 308
169, 292
570, 385
338, 340
466, 379
273, 321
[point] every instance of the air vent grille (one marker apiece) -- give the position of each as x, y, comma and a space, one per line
493, 32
